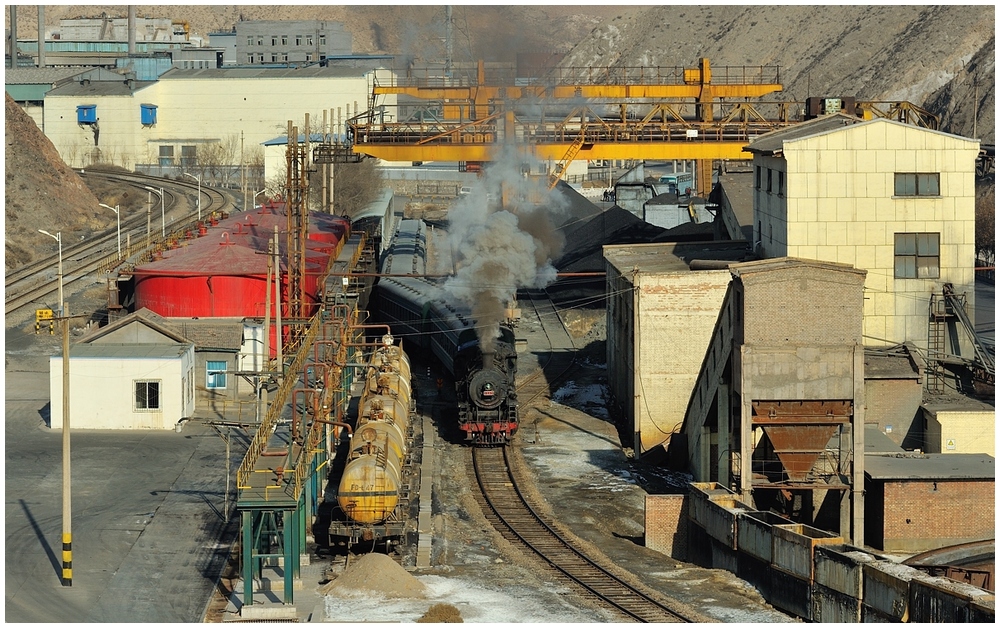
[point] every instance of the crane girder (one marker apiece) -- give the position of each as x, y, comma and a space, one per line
484, 152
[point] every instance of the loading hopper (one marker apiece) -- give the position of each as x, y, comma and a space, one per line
800, 430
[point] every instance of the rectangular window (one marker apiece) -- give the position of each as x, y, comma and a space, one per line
309, 57
147, 394
215, 374
249, 41
298, 40
249, 58
166, 155
189, 156
756, 184
781, 183
284, 57
274, 58
769, 180
274, 40
917, 255
260, 40
284, 40
918, 184
322, 40
309, 40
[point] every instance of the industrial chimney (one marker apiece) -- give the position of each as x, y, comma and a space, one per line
13, 36
131, 30
41, 36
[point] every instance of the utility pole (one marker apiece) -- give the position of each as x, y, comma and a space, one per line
277, 301
58, 239
67, 511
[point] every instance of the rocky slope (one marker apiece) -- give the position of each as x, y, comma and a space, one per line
928, 55
40, 192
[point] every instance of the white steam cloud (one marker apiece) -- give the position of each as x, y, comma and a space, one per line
496, 250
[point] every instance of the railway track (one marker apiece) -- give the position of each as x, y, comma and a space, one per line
506, 508
555, 364
36, 283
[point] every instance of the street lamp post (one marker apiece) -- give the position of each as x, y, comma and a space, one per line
163, 214
58, 238
119, 217
198, 179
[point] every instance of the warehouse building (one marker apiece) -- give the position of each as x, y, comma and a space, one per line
163, 126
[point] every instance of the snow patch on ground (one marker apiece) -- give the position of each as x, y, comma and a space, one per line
589, 398
477, 604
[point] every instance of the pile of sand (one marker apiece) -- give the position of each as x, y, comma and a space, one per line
378, 574
441, 614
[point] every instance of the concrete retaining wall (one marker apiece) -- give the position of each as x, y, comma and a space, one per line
812, 574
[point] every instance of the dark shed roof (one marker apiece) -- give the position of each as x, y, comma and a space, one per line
911, 466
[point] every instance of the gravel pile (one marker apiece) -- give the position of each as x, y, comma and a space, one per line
375, 574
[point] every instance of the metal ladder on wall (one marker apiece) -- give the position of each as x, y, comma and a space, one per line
937, 323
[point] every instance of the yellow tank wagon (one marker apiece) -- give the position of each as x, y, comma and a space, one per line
370, 490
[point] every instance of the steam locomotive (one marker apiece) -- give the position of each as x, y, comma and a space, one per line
422, 312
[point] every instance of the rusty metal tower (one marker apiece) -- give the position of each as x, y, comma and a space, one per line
297, 213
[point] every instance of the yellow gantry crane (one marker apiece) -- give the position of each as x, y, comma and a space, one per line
642, 113
481, 115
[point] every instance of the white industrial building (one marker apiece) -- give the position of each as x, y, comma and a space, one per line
166, 122
125, 386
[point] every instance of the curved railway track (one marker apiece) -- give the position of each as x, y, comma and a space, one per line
36, 281
507, 509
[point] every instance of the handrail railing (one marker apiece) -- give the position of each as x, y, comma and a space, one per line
270, 422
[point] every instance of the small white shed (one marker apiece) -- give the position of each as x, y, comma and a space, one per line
124, 386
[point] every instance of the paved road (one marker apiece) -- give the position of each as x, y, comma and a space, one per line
146, 510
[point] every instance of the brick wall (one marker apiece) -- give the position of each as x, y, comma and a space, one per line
923, 515
893, 405
667, 525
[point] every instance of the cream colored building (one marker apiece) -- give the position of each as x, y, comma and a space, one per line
890, 198
167, 121
958, 426
660, 318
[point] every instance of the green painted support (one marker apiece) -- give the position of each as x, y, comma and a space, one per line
246, 522
290, 554
305, 513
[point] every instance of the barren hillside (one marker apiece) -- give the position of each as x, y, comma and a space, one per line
40, 192
928, 55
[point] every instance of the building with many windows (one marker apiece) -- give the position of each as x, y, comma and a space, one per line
263, 42
890, 198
